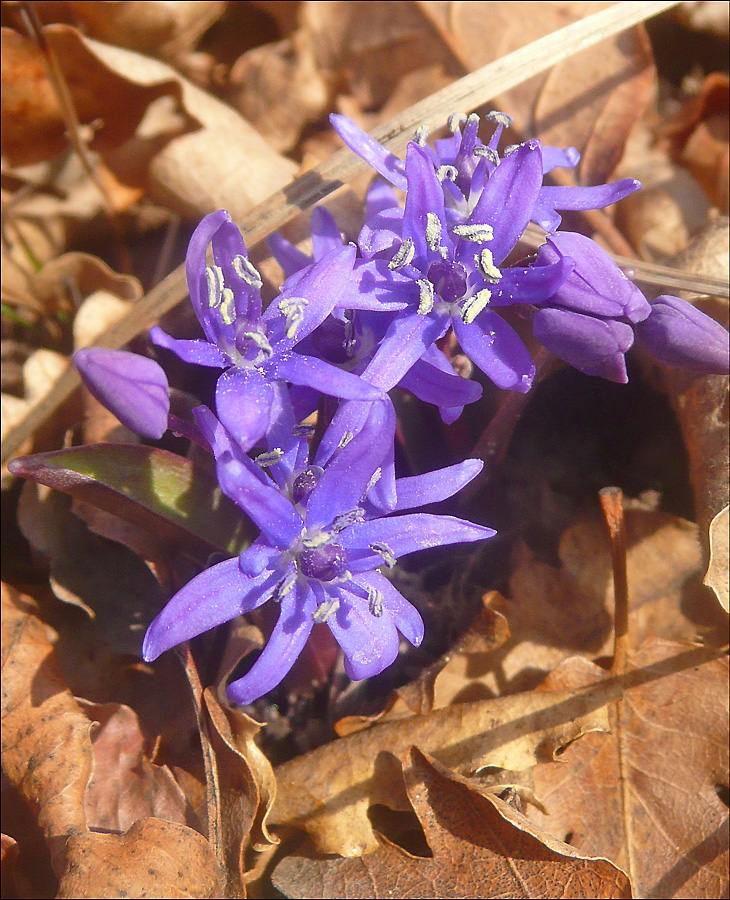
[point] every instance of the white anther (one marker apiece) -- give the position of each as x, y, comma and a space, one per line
345, 439
425, 301
375, 602
499, 118
433, 231
455, 121
420, 136
261, 341
246, 271
485, 262
508, 151
383, 550
403, 256
270, 458
346, 519
447, 173
310, 542
228, 307
214, 280
474, 305
285, 586
491, 155
374, 479
476, 231
293, 309
325, 610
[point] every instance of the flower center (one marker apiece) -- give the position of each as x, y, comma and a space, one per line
324, 563
448, 279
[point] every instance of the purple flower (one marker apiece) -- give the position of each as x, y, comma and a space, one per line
321, 545
255, 348
133, 387
678, 334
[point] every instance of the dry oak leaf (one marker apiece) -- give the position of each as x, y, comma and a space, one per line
717, 571
481, 847
648, 795
46, 746
329, 790
153, 859
591, 100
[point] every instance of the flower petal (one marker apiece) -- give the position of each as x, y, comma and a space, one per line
316, 373
425, 198
325, 232
217, 595
679, 334
370, 643
196, 352
432, 487
133, 387
593, 346
385, 163
406, 617
287, 641
497, 349
243, 400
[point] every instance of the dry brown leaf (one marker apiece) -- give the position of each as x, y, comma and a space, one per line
46, 746
125, 786
590, 101
328, 791
159, 28
646, 795
718, 568
224, 164
153, 859
480, 847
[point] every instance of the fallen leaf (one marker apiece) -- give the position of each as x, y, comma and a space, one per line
153, 859
717, 570
125, 786
590, 101
480, 847
646, 795
328, 791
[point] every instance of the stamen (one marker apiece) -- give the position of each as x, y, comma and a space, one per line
325, 610
491, 155
228, 307
474, 305
485, 262
477, 232
270, 458
383, 550
346, 519
349, 342
316, 540
374, 479
403, 256
303, 430
447, 173
345, 439
511, 149
375, 602
499, 118
433, 231
261, 341
214, 279
420, 136
285, 586
425, 302
455, 121
293, 309
246, 271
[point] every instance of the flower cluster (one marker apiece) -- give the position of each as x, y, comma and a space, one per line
352, 323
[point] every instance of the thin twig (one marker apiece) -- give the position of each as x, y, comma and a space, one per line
612, 503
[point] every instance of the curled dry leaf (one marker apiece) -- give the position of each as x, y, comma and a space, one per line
224, 164
125, 786
717, 571
648, 795
153, 859
591, 101
46, 746
480, 847
328, 791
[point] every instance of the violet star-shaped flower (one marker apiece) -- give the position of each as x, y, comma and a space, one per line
256, 348
318, 555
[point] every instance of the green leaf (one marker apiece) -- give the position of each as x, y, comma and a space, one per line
161, 492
